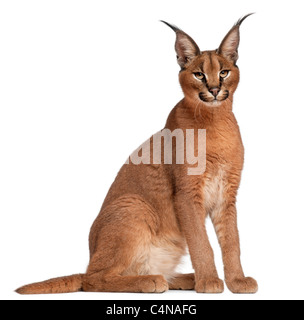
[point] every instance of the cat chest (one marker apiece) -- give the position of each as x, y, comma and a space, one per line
214, 186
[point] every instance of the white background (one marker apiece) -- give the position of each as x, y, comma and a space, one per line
84, 83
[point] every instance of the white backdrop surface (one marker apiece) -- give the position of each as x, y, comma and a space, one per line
84, 83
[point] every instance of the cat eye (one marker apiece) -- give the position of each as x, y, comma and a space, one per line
199, 75
224, 74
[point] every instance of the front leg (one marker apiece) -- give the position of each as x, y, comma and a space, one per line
225, 224
192, 216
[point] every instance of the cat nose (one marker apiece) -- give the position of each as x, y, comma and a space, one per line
215, 91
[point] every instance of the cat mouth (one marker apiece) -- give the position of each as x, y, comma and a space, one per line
206, 98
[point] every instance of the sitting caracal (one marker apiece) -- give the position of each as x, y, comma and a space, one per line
154, 212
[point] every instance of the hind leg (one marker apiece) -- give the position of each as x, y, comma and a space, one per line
120, 242
182, 282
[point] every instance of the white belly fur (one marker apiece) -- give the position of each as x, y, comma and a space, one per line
159, 258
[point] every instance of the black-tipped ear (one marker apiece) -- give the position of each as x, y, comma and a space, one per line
230, 44
185, 46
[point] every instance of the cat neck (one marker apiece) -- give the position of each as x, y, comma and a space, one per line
200, 110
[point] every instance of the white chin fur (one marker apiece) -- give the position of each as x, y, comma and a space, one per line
213, 104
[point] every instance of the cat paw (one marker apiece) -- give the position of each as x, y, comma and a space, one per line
155, 284
213, 285
242, 285
182, 282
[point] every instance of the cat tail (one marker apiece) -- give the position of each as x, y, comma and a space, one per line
57, 285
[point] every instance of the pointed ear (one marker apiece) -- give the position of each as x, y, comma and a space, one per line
185, 47
230, 44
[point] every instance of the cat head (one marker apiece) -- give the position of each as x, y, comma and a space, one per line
210, 77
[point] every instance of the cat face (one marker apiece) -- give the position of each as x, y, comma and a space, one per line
209, 77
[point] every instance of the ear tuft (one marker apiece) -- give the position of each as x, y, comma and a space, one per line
172, 26
230, 44
185, 46
243, 19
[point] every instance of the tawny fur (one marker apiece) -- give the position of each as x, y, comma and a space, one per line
153, 213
